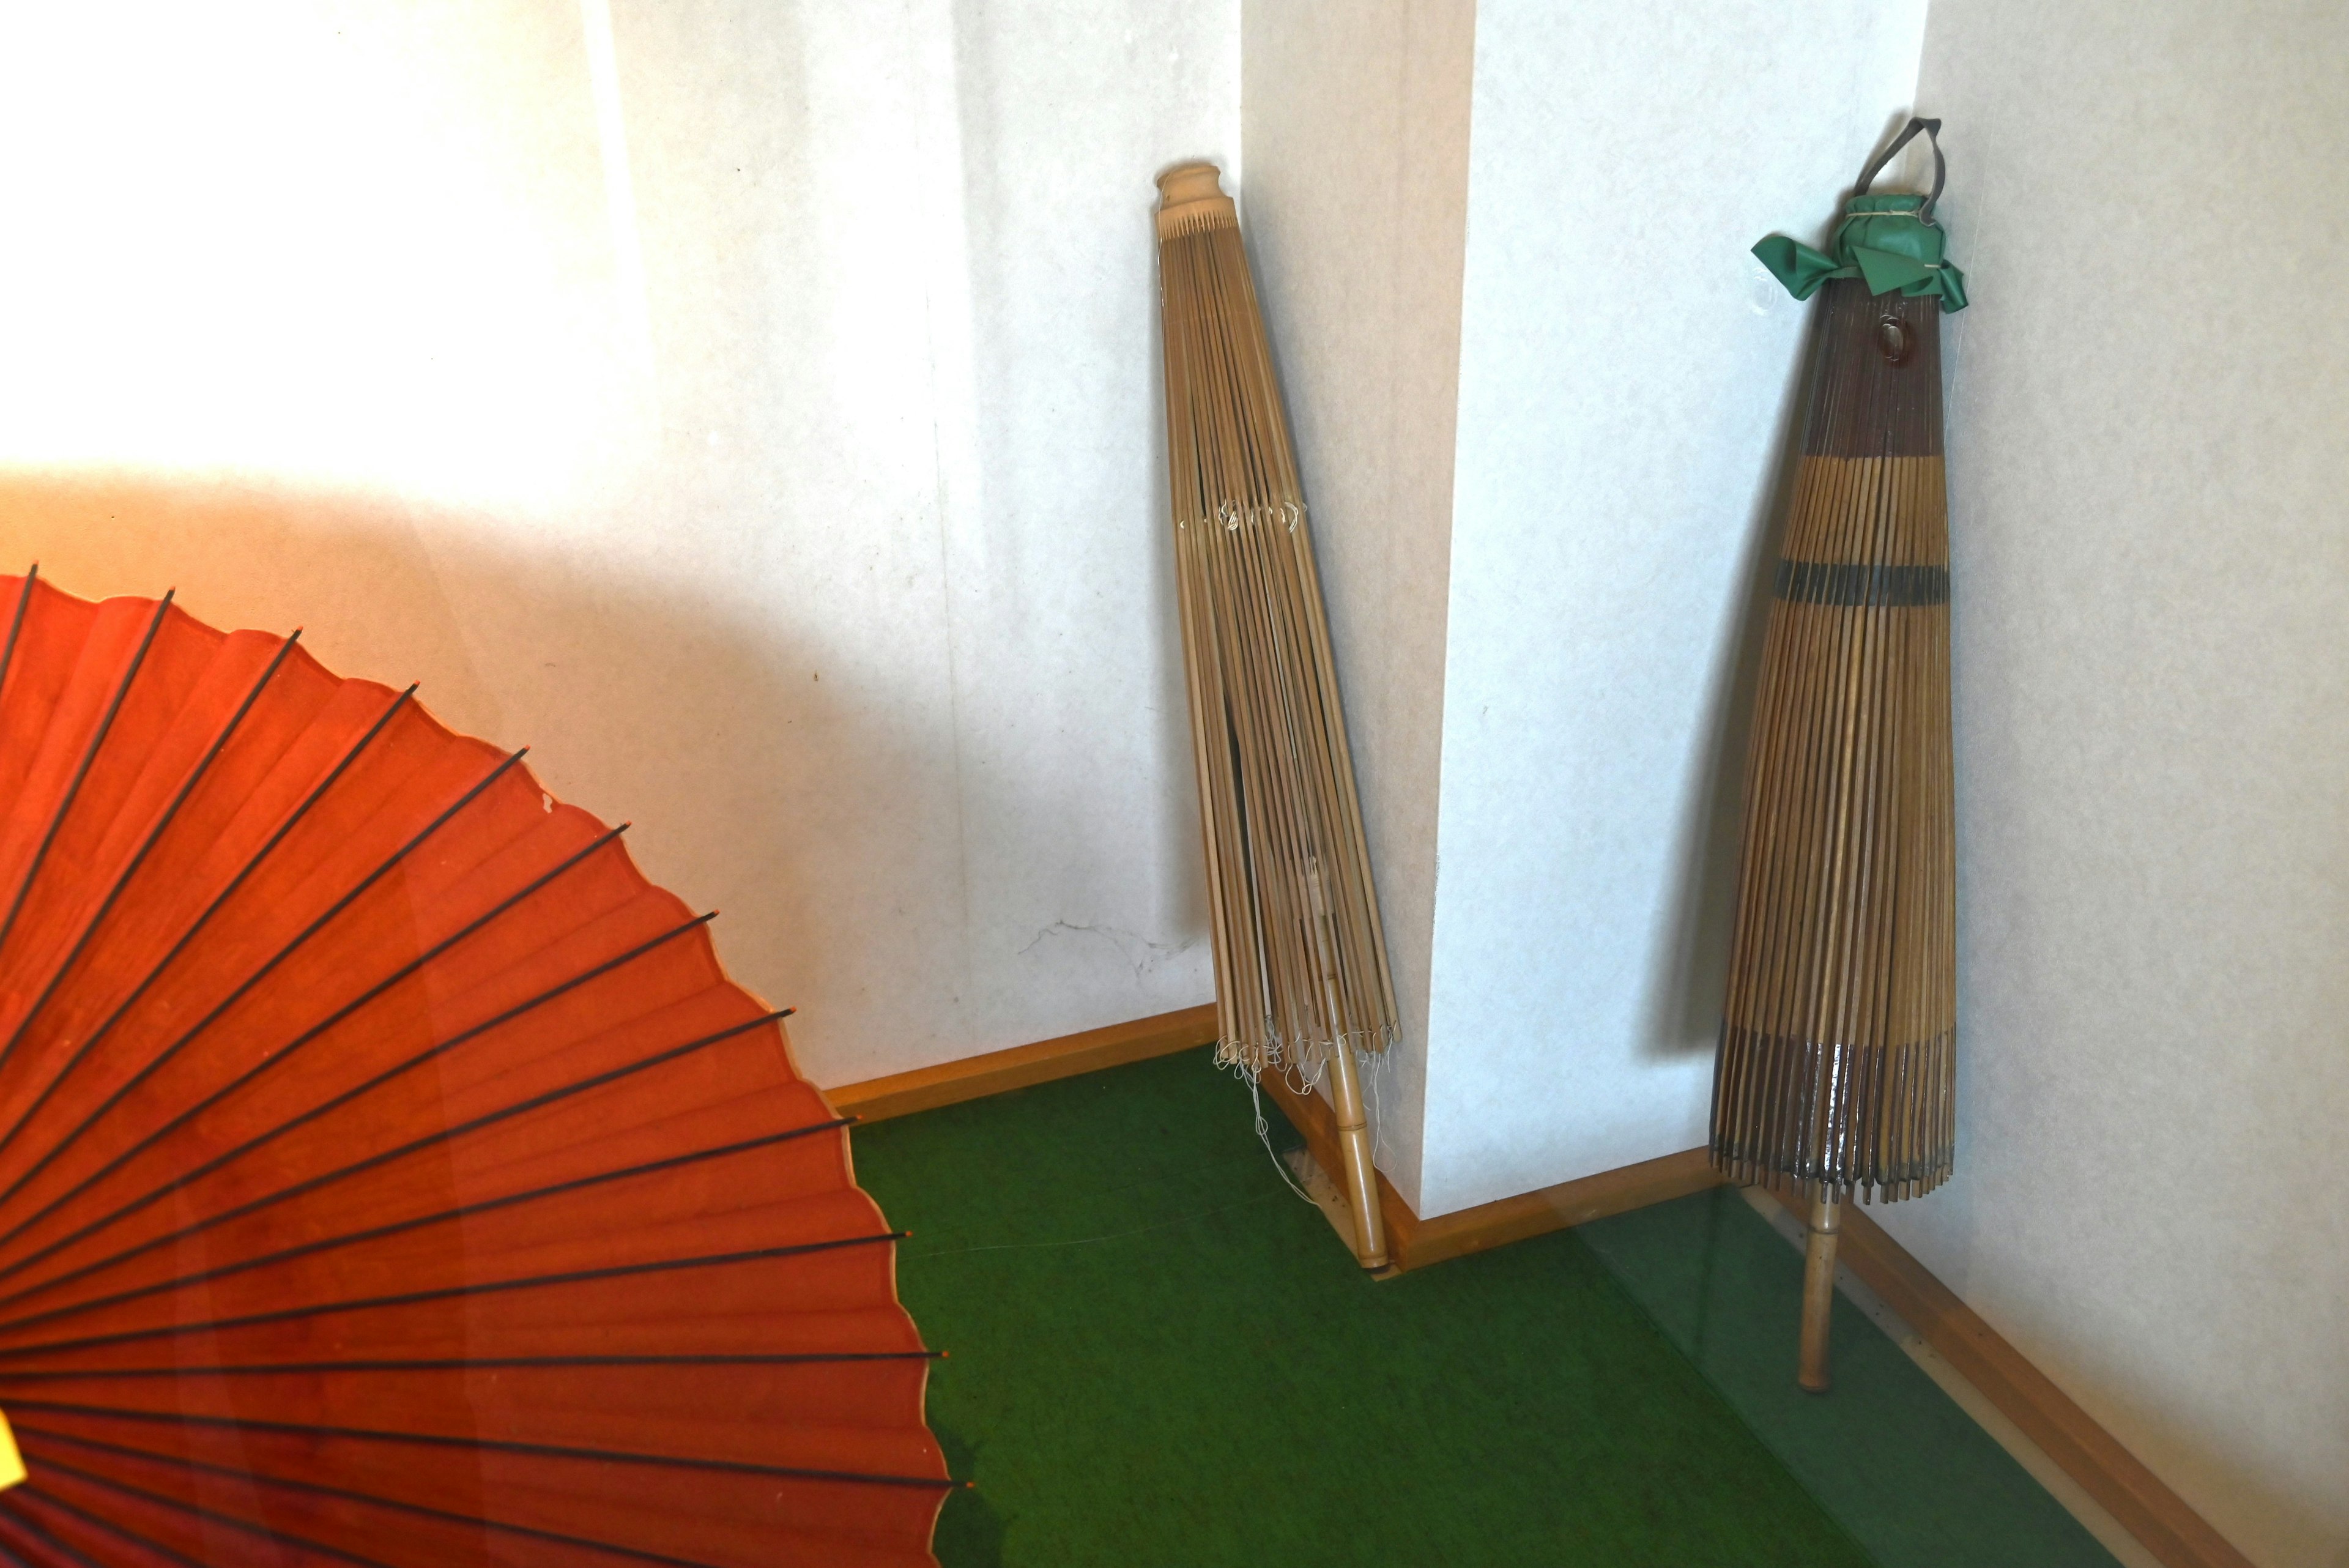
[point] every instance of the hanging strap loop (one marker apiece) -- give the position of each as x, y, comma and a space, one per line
1932, 129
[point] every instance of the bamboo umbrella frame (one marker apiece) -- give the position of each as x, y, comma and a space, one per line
1837, 1067
1302, 979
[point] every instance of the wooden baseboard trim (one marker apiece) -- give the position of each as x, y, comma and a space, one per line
2106, 1471
1414, 1243
997, 1071
1564, 1205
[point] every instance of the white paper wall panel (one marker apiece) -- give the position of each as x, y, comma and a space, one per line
754, 407
2151, 558
1356, 123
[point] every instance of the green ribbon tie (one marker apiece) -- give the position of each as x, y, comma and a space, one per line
1884, 242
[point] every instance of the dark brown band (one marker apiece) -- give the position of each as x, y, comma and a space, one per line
1852, 584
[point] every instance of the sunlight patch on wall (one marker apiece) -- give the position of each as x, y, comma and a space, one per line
346, 245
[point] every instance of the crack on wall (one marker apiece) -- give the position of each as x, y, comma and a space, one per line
1149, 954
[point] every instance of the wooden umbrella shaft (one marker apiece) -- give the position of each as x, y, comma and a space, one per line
1818, 1288
1346, 1092
1354, 1149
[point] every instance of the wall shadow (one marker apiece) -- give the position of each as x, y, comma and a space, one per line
1683, 1003
755, 786
971, 1530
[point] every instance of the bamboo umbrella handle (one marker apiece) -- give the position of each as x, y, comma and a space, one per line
1190, 196
1346, 1093
1354, 1146
1819, 1291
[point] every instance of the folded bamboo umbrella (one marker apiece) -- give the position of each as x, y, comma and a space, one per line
1301, 980
389, 1172
1837, 1064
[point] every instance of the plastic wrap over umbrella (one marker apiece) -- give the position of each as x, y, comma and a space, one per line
388, 1173
1837, 1058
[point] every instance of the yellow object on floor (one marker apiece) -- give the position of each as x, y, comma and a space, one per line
12, 1463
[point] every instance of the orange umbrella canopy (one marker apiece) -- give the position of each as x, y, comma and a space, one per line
389, 1173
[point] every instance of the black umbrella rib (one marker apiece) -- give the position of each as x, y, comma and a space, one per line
347, 1494
154, 836
229, 1156
156, 1063
469, 1364
40, 1532
17, 622
81, 772
495, 1445
149, 1543
394, 1227
268, 1061
447, 1293
293, 818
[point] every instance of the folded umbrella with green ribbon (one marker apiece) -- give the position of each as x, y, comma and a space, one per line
1836, 1067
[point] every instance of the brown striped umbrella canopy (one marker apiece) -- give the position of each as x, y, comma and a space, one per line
1836, 1067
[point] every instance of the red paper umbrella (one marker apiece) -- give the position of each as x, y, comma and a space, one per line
388, 1173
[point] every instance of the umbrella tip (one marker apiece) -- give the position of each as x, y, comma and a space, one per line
1197, 181
1190, 199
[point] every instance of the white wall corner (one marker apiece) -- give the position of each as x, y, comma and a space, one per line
1355, 121
1626, 380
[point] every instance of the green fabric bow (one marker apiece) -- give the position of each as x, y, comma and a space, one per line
1882, 240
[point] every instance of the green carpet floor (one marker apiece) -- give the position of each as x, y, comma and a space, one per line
1158, 1355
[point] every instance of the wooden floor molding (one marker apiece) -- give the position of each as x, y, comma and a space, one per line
2106, 1471
2132, 1494
975, 1077
1414, 1242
